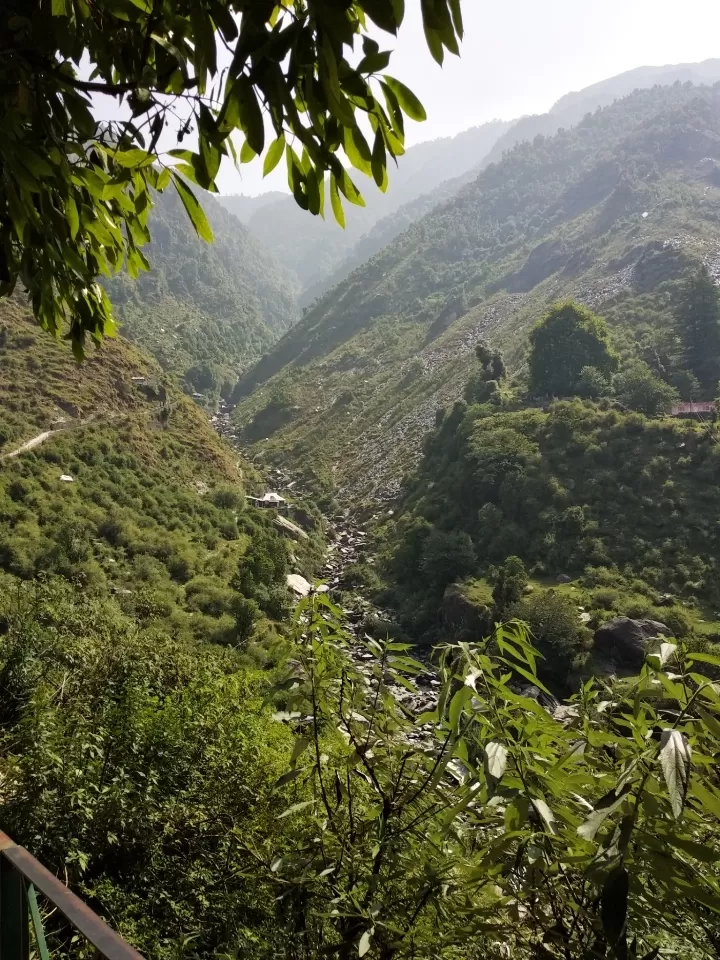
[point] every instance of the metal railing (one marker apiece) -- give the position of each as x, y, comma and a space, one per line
22, 877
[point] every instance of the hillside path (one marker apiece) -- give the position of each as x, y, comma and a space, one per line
29, 444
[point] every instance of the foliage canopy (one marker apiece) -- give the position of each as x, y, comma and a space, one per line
76, 192
567, 339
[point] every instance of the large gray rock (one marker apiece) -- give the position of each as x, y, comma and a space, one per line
625, 641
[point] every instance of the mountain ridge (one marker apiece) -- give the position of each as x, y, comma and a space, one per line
562, 216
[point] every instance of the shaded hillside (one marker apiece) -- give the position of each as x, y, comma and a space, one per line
313, 247
357, 382
128, 492
221, 303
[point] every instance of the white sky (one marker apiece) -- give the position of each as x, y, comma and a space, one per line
520, 57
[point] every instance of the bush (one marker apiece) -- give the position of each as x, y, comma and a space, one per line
592, 384
638, 388
557, 632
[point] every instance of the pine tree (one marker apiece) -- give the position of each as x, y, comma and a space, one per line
699, 327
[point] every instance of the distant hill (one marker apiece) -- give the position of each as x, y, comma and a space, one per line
571, 108
221, 304
244, 207
428, 175
313, 247
608, 211
604, 92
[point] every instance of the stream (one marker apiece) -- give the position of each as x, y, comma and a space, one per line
347, 542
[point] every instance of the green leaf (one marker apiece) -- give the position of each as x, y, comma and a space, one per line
250, 114
496, 759
300, 746
710, 722
457, 17
274, 155
336, 202
675, 761
456, 705
73, 217
296, 808
246, 152
383, 14
707, 796
378, 161
133, 158
603, 808
357, 150
704, 658
407, 100
193, 209
364, 944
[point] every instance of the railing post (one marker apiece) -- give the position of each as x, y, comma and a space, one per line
14, 928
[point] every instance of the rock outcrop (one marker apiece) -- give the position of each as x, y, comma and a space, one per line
624, 642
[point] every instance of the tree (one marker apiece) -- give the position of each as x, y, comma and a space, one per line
483, 386
637, 387
511, 580
567, 339
699, 326
447, 555
592, 383
76, 191
556, 631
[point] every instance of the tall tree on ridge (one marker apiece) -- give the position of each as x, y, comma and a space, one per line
699, 327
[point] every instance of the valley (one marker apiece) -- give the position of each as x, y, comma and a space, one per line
359, 589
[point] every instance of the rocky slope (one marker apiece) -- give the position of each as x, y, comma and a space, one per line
605, 212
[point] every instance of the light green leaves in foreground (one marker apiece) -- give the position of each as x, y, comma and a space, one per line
76, 191
486, 819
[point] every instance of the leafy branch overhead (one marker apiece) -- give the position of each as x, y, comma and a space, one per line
297, 79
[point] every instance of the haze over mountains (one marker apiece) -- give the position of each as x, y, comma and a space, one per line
321, 255
448, 449
207, 313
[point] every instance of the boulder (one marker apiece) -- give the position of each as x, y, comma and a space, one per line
563, 578
625, 642
463, 615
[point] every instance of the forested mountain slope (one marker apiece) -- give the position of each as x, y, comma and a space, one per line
313, 247
565, 113
219, 304
128, 491
606, 212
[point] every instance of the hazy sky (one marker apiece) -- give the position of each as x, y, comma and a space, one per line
521, 56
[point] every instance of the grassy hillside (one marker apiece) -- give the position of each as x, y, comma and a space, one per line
202, 305
154, 511
354, 386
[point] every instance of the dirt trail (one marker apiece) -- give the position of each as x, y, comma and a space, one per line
29, 444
